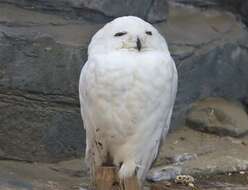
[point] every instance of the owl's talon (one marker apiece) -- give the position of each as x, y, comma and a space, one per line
127, 169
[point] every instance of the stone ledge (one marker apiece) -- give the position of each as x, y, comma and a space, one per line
200, 154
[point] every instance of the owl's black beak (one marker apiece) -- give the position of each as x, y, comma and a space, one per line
138, 43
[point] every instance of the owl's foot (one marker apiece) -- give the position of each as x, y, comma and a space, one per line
127, 169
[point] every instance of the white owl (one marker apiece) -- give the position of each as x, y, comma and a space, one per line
127, 92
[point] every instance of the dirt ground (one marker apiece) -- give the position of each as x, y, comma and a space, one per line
72, 175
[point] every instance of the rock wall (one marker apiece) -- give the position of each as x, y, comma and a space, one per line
43, 46
239, 7
97, 10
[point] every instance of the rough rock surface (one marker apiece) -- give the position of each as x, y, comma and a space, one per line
99, 10
35, 129
244, 12
218, 116
39, 68
158, 11
211, 3
239, 7
210, 50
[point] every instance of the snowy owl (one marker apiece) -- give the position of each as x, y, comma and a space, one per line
127, 91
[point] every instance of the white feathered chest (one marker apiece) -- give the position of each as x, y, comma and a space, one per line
127, 97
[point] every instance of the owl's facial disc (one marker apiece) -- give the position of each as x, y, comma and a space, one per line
130, 34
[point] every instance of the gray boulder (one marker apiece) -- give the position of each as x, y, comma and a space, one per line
220, 72
237, 6
218, 116
40, 119
39, 71
211, 55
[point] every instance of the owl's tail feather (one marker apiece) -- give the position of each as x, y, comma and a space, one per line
147, 160
140, 165
90, 162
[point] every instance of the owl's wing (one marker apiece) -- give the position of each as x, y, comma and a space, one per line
86, 77
173, 98
164, 110
82, 91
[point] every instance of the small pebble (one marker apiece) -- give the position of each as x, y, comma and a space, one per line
48, 48
244, 143
176, 142
167, 183
75, 187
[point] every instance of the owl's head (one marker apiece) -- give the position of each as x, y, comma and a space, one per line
127, 33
